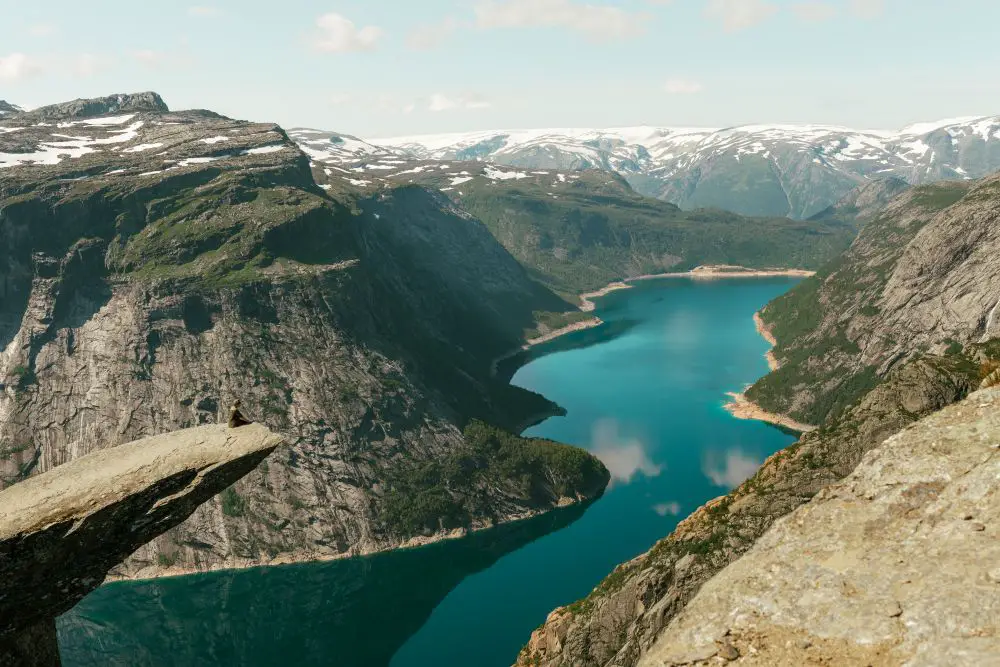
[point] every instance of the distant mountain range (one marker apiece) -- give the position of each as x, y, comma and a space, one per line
759, 170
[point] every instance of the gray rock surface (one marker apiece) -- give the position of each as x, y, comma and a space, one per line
88, 108
895, 565
864, 202
63, 531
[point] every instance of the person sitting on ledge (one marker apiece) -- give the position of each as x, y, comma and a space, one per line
236, 418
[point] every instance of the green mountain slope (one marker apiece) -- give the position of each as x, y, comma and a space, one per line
578, 232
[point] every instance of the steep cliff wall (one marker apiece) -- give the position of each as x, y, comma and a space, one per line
921, 277
166, 263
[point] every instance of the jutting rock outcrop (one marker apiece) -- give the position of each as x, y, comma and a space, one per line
62, 531
899, 563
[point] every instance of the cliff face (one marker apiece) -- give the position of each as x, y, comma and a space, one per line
921, 277
166, 263
897, 564
61, 532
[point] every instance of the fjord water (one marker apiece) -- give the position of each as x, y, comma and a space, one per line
645, 393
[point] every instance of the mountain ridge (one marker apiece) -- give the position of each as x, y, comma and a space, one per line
762, 169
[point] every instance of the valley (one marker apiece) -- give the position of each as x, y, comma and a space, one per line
363, 299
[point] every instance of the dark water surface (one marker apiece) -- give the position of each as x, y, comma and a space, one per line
644, 393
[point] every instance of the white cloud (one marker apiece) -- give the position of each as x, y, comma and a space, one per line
814, 11
731, 469
88, 64
682, 87
671, 508
441, 102
598, 22
43, 30
339, 35
204, 11
409, 108
17, 66
737, 15
430, 36
149, 58
624, 457
868, 9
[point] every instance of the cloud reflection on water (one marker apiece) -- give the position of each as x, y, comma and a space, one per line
731, 468
624, 456
672, 508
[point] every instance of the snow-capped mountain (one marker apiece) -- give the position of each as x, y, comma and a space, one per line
338, 148
7, 108
795, 170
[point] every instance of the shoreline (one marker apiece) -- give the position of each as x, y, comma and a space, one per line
544, 338
726, 271
765, 333
586, 303
742, 407
705, 272
154, 572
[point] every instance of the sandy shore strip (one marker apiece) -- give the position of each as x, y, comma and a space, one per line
707, 272
587, 305
765, 333
545, 338
569, 328
743, 408
726, 271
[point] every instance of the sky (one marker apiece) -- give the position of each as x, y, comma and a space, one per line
382, 68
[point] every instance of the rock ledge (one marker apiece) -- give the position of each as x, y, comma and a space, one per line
61, 532
897, 564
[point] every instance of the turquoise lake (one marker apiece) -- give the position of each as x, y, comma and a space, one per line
645, 393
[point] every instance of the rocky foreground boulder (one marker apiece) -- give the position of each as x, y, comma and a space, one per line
899, 563
62, 531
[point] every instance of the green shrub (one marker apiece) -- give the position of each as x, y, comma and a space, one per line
446, 492
233, 504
